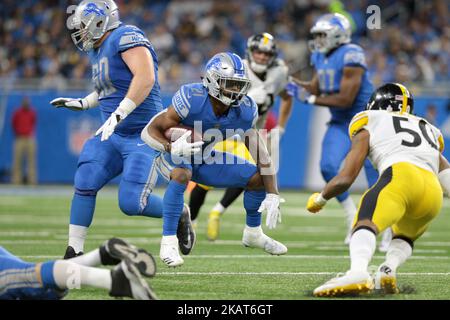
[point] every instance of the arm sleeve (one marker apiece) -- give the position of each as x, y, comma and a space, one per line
359, 122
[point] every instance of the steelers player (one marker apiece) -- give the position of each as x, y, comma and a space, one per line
268, 75
406, 150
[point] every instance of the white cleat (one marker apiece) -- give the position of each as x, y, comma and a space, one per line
386, 280
169, 251
255, 238
351, 282
385, 240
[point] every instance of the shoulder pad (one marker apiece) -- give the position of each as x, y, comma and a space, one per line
189, 99
359, 121
131, 36
249, 110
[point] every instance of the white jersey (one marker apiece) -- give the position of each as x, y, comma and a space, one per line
399, 137
264, 91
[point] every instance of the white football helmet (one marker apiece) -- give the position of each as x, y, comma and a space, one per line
226, 78
330, 31
91, 20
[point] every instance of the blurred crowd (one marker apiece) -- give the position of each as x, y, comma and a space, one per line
413, 44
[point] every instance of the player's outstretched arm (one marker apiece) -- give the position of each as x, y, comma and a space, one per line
255, 144
285, 111
90, 101
354, 161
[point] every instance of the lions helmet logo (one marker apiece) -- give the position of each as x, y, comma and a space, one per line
92, 8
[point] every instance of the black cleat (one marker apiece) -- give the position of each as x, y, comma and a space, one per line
127, 281
70, 253
115, 250
185, 232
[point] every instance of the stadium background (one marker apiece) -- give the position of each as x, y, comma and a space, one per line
39, 60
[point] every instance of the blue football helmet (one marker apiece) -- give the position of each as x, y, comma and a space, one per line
226, 78
91, 20
330, 31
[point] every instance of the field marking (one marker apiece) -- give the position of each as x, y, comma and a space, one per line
187, 273
265, 256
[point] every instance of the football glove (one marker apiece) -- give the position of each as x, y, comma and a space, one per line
300, 93
182, 148
272, 204
108, 127
70, 103
316, 202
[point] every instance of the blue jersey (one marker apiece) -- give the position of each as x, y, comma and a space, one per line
330, 70
112, 78
192, 103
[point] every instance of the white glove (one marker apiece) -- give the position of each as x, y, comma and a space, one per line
70, 103
182, 148
272, 204
108, 127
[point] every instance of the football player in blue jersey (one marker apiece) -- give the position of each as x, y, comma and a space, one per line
342, 84
21, 280
125, 75
218, 109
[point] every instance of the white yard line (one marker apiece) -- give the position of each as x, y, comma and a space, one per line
286, 273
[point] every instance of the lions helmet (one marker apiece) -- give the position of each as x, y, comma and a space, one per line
392, 97
263, 42
330, 31
226, 78
91, 20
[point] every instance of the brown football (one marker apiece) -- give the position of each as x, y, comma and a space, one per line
175, 132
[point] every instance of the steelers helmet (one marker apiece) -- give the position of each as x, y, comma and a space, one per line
263, 42
393, 97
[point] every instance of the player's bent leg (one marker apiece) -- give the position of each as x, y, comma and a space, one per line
135, 189
98, 163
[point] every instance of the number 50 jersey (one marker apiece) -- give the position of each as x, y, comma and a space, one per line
112, 78
399, 137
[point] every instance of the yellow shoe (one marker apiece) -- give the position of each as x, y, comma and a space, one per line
212, 231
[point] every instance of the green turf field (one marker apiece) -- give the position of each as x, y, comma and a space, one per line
34, 224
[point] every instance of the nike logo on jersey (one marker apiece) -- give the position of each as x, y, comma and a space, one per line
141, 144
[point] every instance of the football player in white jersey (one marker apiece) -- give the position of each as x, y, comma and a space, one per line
406, 150
268, 75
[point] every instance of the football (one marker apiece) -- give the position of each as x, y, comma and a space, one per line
176, 132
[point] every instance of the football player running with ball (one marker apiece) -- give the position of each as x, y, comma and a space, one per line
406, 150
221, 107
342, 84
125, 75
268, 75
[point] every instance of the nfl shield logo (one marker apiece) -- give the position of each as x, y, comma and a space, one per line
79, 130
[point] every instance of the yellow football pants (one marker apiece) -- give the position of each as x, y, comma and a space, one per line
405, 197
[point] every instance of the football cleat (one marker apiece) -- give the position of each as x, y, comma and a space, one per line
70, 253
212, 231
257, 239
128, 282
169, 251
386, 280
351, 282
114, 250
185, 232
348, 238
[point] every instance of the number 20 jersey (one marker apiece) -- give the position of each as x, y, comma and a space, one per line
112, 78
399, 137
